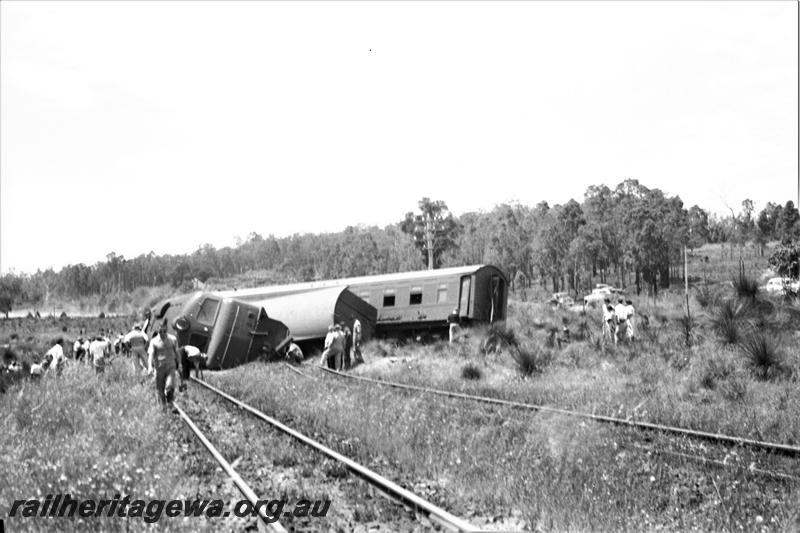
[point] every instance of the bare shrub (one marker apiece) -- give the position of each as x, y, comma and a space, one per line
471, 371
715, 370
531, 359
583, 331
499, 335
552, 333
745, 286
734, 388
687, 325
706, 296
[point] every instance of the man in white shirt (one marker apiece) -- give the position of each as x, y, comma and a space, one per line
334, 347
294, 354
621, 312
357, 357
100, 349
608, 320
631, 329
56, 357
194, 358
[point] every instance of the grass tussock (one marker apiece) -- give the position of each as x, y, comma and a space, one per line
763, 356
729, 322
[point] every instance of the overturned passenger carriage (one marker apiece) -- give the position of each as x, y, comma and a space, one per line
308, 312
229, 331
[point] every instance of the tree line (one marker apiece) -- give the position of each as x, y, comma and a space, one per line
630, 235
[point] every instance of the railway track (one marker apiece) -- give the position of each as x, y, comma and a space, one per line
388, 488
783, 449
690, 450
271, 525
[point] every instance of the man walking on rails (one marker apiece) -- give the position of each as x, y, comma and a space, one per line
163, 353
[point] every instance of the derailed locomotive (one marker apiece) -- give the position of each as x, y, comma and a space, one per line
235, 327
229, 331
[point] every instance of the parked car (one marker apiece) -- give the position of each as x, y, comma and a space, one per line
600, 293
777, 285
562, 299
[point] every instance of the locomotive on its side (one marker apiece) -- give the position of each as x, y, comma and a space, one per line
229, 331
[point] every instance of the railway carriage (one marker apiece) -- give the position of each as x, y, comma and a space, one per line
411, 302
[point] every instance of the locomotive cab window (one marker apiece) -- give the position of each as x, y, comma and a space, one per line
388, 298
208, 312
415, 297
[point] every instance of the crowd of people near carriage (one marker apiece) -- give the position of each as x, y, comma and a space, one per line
342, 348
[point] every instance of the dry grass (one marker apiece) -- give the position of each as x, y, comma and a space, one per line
91, 438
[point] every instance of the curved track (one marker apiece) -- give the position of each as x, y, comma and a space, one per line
387, 487
783, 449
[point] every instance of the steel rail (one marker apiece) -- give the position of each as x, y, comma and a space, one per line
436, 514
784, 449
717, 462
244, 488
298, 371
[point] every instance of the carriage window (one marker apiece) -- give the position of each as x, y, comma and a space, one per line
441, 295
207, 312
388, 298
415, 297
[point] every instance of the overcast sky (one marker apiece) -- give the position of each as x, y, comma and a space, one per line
132, 127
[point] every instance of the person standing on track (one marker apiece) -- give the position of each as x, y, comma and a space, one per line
137, 340
164, 360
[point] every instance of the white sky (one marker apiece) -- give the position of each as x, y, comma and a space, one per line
131, 127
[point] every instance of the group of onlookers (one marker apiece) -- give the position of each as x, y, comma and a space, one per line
618, 320
161, 357
342, 346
